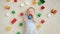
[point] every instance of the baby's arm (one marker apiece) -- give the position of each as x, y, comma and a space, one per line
25, 18
35, 20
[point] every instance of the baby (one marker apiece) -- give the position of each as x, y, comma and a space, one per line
30, 27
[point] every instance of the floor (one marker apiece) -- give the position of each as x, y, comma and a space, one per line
51, 25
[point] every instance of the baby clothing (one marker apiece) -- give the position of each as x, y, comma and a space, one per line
30, 27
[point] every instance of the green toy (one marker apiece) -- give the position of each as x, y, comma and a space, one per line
20, 24
18, 33
41, 2
39, 14
13, 12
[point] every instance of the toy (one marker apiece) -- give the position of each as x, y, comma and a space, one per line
34, 2
8, 0
8, 28
29, 16
14, 20
53, 11
27, 3
20, 24
42, 7
39, 14
7, 7
49, 15
22, 5
18, 33
15, 0
21, 14
8, 14
41, 2
43, 21
39, 26
13, 11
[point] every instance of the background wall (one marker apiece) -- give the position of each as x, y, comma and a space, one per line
51, 26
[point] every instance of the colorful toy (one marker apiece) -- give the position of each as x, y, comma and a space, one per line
43, 21
38, 26
21, 14
39, 14
18, 33
20, 24
13, 21
8, 28
7, 7
15, 0
41, 2
53, 11
29, 16
34, 2
13, 11
8, 0
42, 7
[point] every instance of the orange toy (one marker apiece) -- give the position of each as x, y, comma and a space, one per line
7, 7
53, 11
34, 2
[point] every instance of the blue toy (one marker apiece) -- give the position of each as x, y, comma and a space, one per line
29, 17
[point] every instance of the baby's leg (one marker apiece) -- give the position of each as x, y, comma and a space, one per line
29, 31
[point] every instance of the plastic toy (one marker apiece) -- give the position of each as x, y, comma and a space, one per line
14, 20
20, 24
53, 11
42, 7
39, 14
49, 15
34, 2
21, 14
38, 26
29, 16
15, 0
43, 21
7, 7
41, 2
13, 11
8, 28
18, 33
8, 0
22, 5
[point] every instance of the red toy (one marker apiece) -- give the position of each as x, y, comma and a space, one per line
15, 0
42, 21
42, 7
14, 20
21, 14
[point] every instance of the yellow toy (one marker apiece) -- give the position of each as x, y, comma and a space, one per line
8, 28
7, 7
38, 26
34, 2
8, 0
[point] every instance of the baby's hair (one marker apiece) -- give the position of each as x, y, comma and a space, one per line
30, 8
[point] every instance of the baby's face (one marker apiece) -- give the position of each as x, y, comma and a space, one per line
30, 11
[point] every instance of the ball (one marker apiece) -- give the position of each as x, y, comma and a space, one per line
29, 17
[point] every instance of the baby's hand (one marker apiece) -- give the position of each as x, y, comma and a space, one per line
25, 19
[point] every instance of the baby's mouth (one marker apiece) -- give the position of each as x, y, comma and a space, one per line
30, 14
